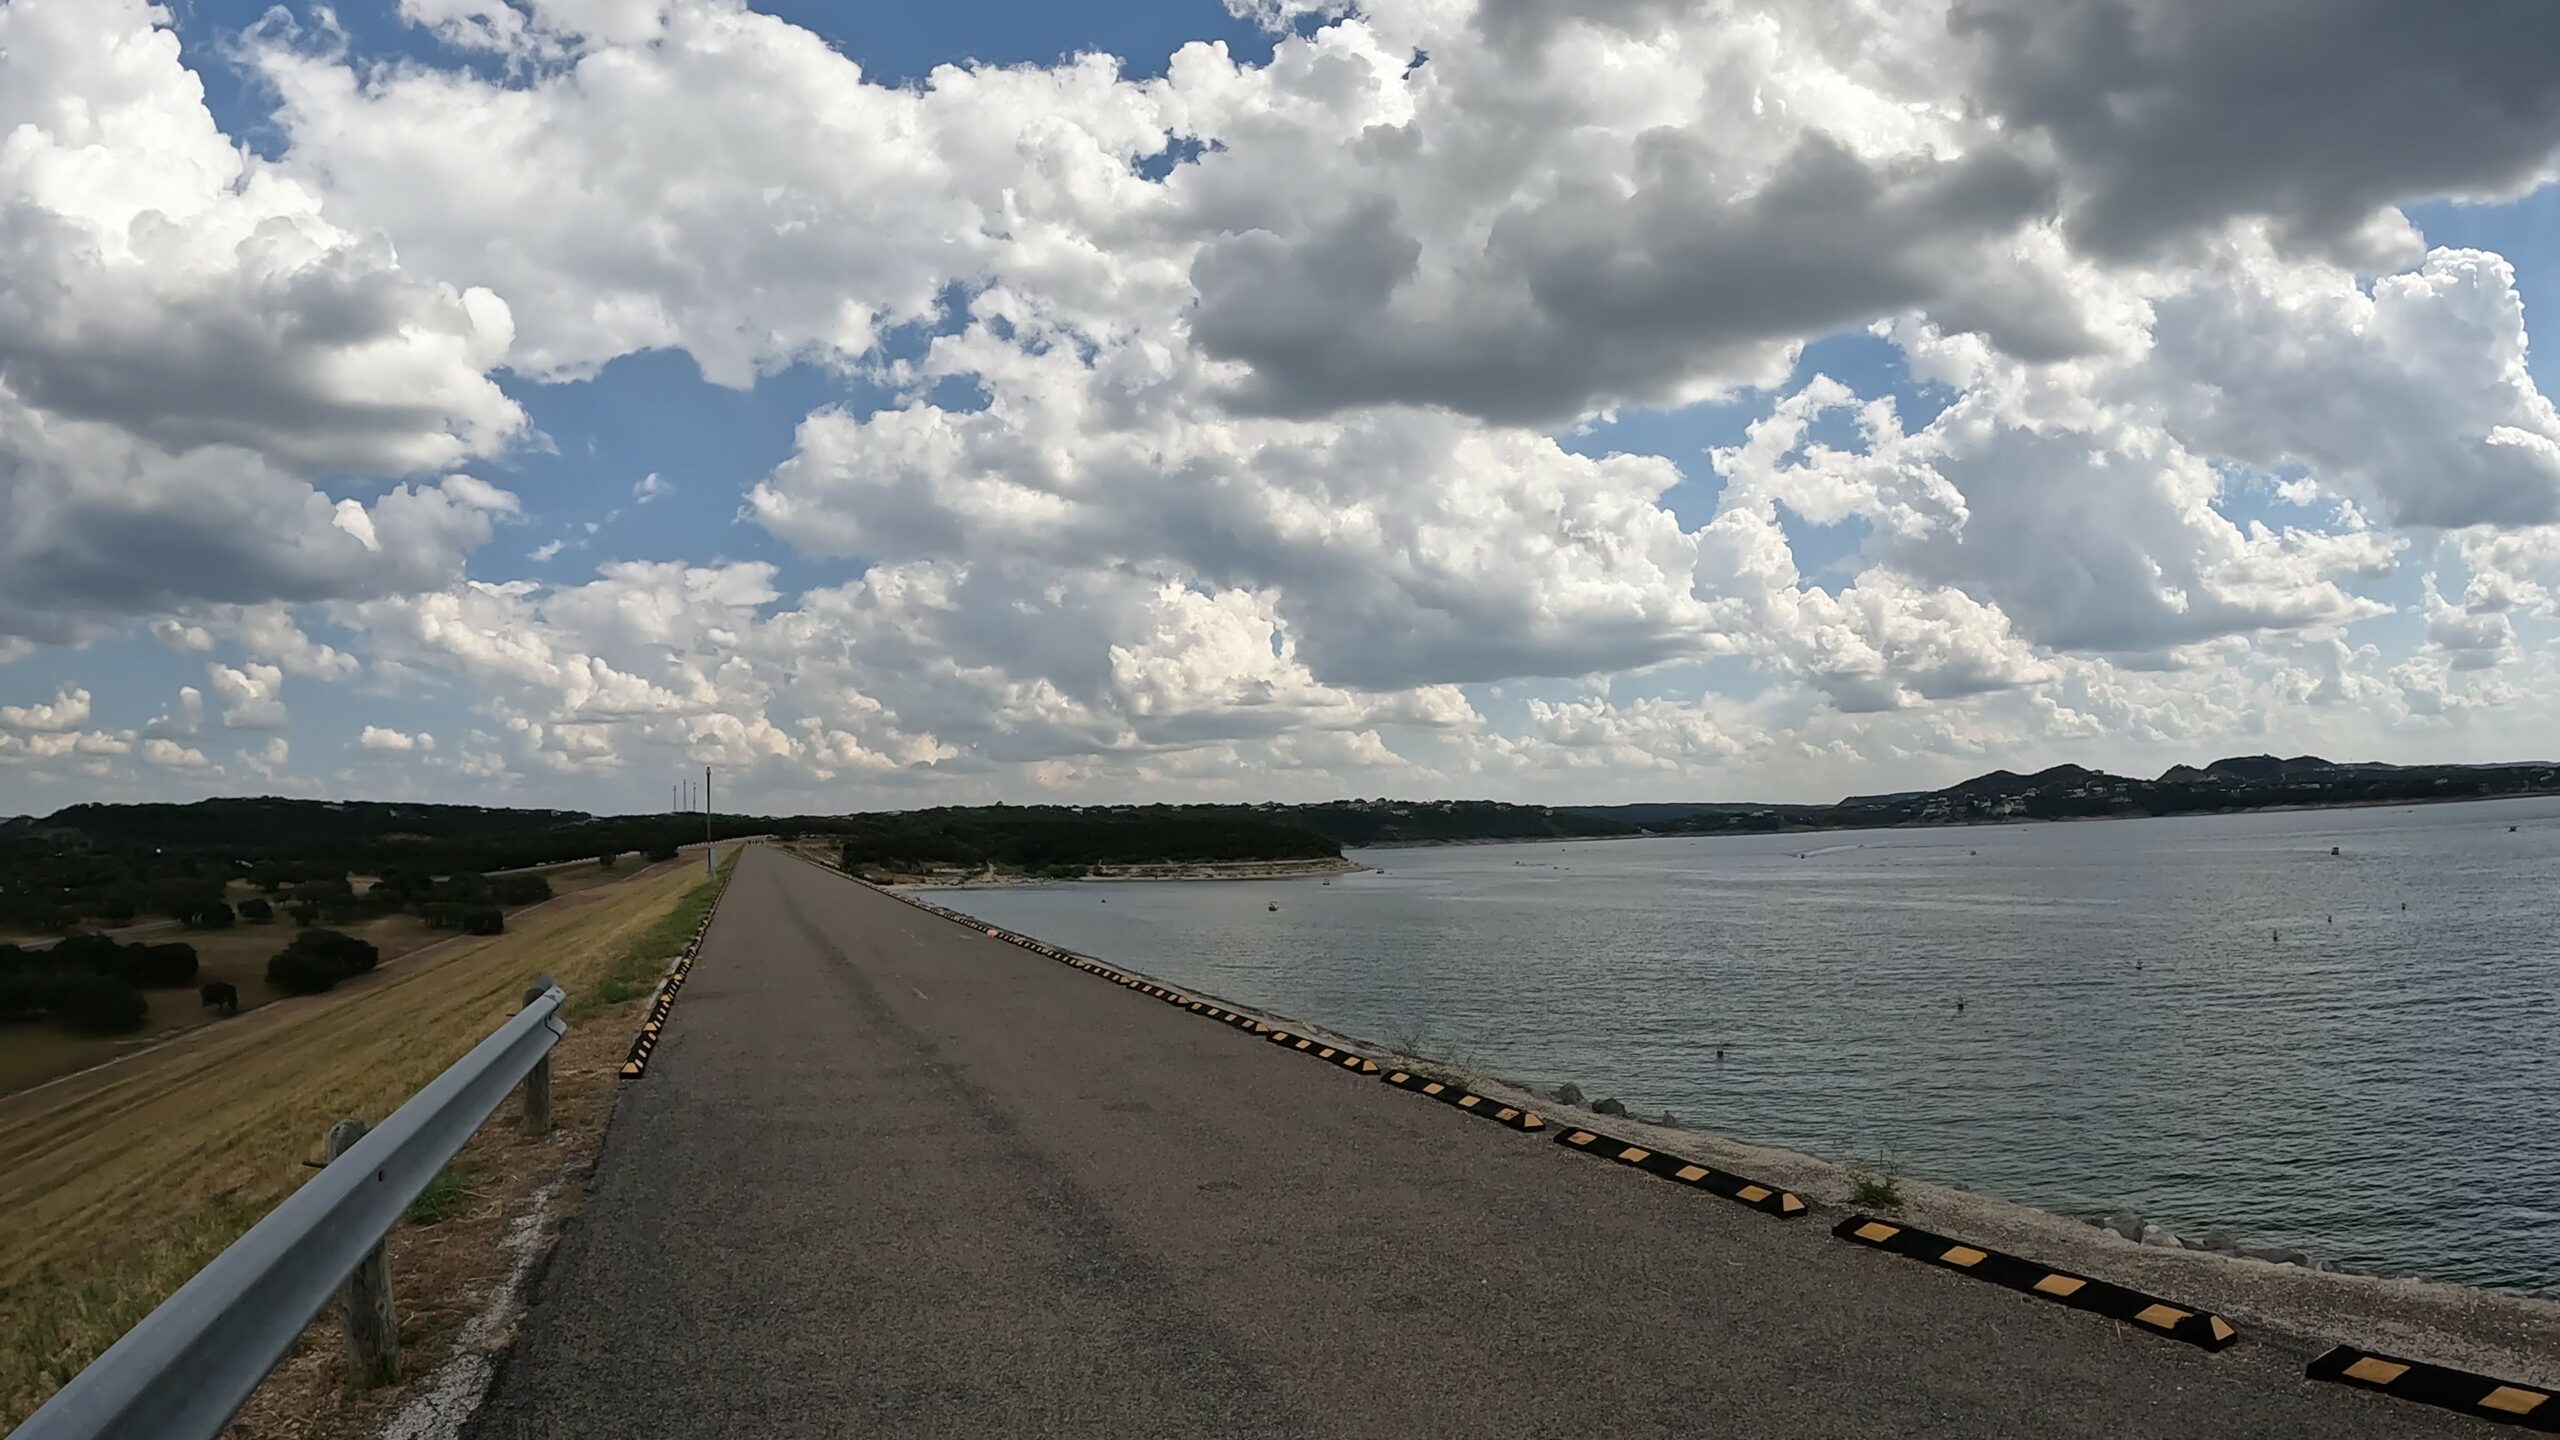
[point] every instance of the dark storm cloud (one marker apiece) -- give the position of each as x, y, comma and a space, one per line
1593, 295
2174, 114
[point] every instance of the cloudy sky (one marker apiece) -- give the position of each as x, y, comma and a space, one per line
912, 402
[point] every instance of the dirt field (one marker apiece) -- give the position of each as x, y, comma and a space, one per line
31, 1054
117, 1184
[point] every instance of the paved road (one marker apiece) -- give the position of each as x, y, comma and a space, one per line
886, 1177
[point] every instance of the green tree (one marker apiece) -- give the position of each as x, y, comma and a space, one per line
97, 1005
318, 959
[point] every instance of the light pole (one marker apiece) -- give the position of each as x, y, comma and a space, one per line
710, 870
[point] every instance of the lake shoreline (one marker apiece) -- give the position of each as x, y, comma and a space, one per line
2003, 823
1317, 869
2512, 1336
2304, 1309
2216, 1025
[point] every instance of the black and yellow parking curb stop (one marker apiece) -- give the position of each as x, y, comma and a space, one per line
2098, 1297
662, 1003
1332, 1054
1768, 1199
1211, 1010
1449, 1092
2477, 1396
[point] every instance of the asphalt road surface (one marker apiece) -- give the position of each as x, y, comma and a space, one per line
887, 1177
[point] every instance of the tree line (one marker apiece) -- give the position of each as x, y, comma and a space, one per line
1063, 840
90, 984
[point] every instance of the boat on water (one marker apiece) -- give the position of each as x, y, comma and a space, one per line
1275, 905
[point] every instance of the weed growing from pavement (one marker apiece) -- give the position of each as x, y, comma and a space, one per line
1877, 1188
1459, 1066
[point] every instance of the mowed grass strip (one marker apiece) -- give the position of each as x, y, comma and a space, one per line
113, 1197
637, 973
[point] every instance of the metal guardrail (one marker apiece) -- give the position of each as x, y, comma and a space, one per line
188, 1367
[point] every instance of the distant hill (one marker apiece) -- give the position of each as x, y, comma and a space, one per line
228, 822
2005, 782
2256, 770
1896, 798
2245, 782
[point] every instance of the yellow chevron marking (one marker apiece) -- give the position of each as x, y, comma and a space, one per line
2061, 1287
1877, 1232
2164, 1316
1963, 1256
2374, 1370
2512, 1400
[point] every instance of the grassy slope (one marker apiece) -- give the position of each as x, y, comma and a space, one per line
113, 1192
31, 1054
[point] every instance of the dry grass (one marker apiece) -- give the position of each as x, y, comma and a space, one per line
117, 1185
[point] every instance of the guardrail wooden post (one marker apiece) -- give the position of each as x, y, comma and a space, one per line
537, 1083
373, 1323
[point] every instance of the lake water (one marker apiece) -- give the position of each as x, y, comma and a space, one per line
2211, 1020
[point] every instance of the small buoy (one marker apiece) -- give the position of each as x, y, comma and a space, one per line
1959, 1004
1275, 905
2333, 849
1719, 1052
